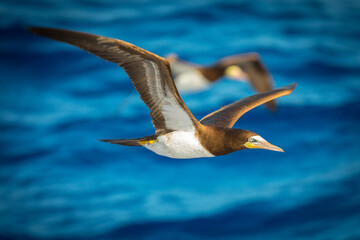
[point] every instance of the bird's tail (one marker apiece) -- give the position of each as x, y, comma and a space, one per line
132, 142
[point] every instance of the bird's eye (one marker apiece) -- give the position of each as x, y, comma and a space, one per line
252, 140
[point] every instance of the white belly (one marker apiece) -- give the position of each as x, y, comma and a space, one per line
179, 144
191, 81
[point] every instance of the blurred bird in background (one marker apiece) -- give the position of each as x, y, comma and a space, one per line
247, 67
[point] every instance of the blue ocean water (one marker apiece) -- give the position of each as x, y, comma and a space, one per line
58, 182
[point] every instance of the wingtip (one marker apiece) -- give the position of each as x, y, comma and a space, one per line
31, 29
34, 29
41, 31
291, 86
47, 31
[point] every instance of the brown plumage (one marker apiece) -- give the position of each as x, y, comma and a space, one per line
152, 78
135, 61
228, 115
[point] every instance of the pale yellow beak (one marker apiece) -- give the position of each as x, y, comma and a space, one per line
263, 144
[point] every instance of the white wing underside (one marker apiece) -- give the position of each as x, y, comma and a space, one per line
176, 118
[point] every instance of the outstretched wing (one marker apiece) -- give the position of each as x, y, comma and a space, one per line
150, 74
228, 115
258, 75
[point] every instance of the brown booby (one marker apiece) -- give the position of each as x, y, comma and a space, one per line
178, 134
246, 67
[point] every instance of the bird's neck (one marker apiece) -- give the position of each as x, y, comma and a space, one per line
221, 141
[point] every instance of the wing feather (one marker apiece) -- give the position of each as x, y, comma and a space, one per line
150, 74
228, 115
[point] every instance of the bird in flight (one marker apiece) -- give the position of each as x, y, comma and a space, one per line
178, 134
246, 67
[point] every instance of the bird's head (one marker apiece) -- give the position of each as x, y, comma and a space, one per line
234, 72
255, 141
